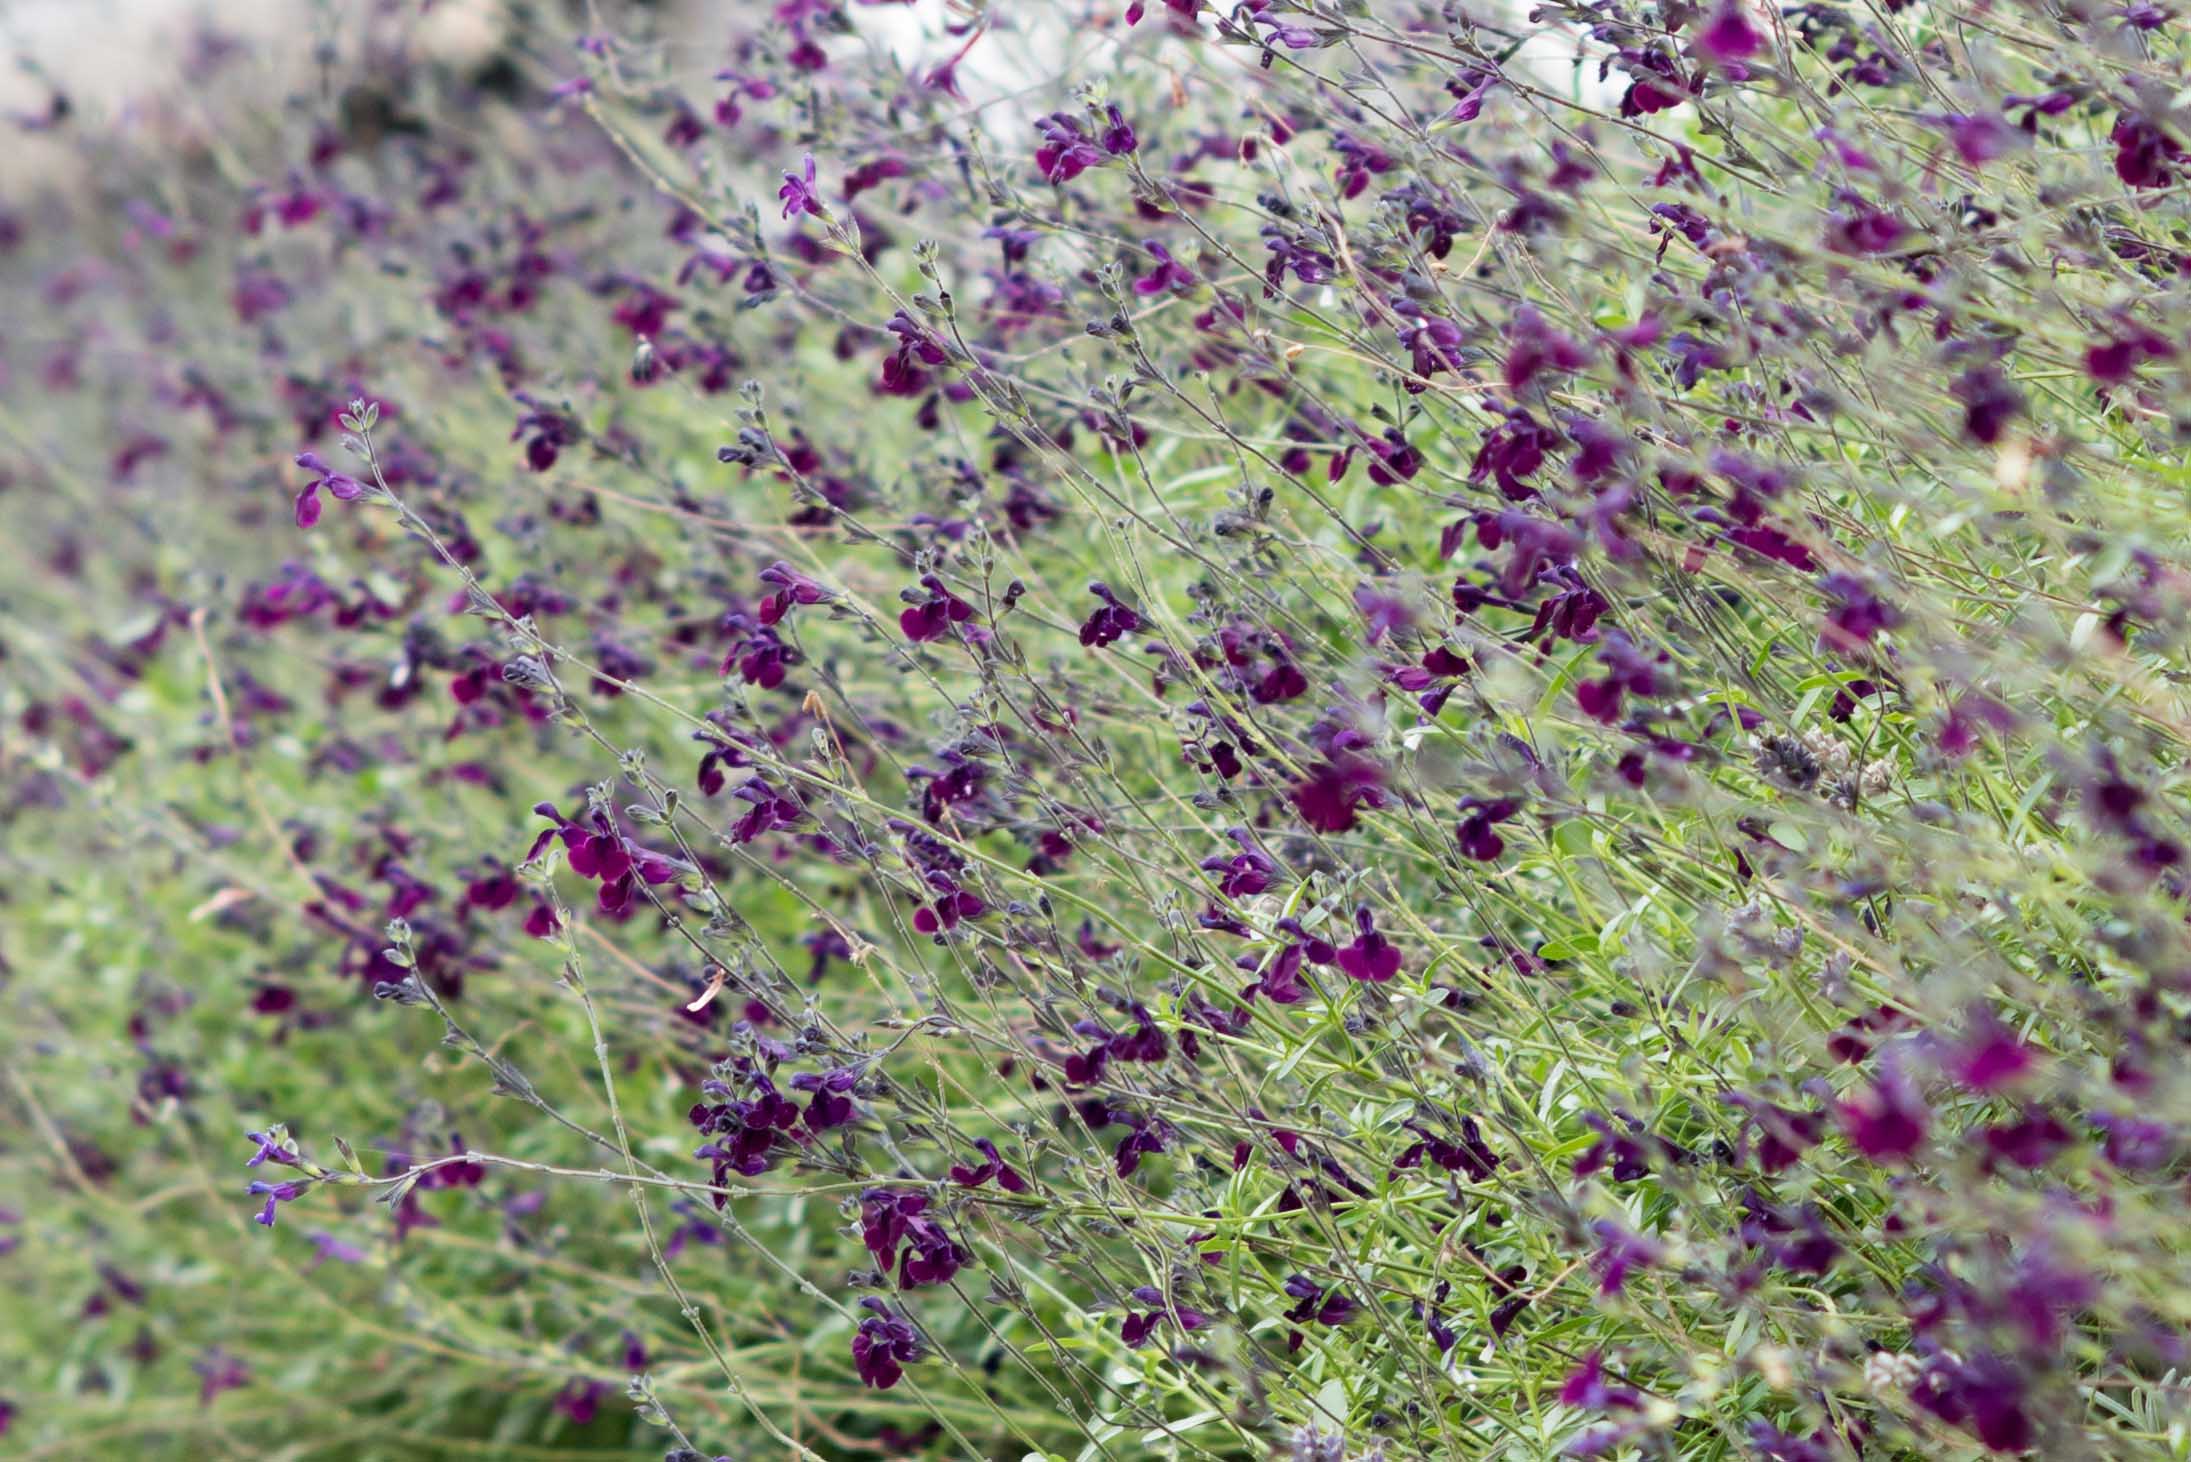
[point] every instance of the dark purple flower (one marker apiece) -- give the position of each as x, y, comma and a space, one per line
1981, 138
1991, 1056
342, 485
831, 1104
1066, 151
791, 588
1619, 1253
1110, 622
1586, 1389
935, 611
1371, 957
546, 432
2145, 156
1534, 347
1886, 1122
1512, 450
949, 909
1729, 35
2113, 362
888, 1219
1118, 133
1989, 403
1135, 1329
993, 1166
1863, 229
1477, 833
798, 192
219, 1371
1336, 790
1628, 670
1247, 872
580, 1400
1316, 1305
883, 1346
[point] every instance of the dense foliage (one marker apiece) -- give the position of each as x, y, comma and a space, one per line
1325, 729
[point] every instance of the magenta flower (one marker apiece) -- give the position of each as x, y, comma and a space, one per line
1729, 35
1863, 230
340, 484
1067, 151
1886, 1122
1168, 275
1991, 1057
798, 193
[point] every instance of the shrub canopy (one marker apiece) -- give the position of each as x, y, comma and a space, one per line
1348, 730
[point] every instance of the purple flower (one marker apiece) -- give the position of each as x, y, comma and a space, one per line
883, 1346
889, 1219
1619, 1253
1989, 404
1729, 35
546, 432
580, 1400
342, 485
949, 909
1512, 450
269, 1151
274, 1193
2145, 156
1478, 833
2113, 362
993, 1166
832, 1096
792, 588
1382, 614
219, 1371
1118, 133
1168, 275
1991, 1057
1135, 1329
1628, 669
1247, 872
1316, 1305
1863, 230
1336, 790
1981, 138
1585, 1388
1066, 151
933, 612
1887, 1121
1371, 957
328, 1247
1534, 349
1112, 621
798, 192
1858, 614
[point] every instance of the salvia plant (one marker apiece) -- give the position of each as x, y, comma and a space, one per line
1306, 729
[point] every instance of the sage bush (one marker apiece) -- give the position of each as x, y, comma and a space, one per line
1317, 729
